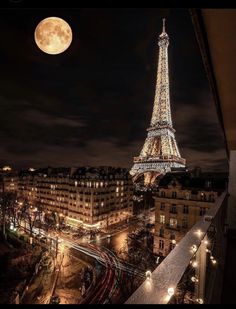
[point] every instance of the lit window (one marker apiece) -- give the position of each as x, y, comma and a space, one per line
187, 195
173, 222
203, 196
162, 219
76, 183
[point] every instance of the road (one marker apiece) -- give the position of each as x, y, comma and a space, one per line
107, 286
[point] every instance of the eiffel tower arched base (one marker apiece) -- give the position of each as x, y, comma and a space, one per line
148, 178
150, 171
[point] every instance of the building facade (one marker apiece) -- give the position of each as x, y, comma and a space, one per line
8, 179
179, 204
88, 197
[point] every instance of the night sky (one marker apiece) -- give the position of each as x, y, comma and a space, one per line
92, 104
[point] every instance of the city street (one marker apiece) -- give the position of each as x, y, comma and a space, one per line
87, 271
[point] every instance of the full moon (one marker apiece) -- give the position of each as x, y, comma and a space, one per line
53, 35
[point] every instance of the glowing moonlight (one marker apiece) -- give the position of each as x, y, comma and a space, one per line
53, 35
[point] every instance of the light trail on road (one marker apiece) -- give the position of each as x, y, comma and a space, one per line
108, 285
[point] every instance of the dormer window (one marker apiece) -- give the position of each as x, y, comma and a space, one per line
163, 194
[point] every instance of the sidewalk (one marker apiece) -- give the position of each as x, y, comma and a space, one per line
39, 290
69, 280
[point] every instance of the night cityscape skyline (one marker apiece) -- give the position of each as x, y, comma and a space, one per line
65, 110
118, 155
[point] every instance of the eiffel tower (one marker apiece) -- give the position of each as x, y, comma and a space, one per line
160, 153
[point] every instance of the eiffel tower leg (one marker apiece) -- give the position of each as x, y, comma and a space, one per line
150, 177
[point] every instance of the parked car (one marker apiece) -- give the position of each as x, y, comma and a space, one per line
55, 300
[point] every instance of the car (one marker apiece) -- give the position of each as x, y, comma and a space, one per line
55, 300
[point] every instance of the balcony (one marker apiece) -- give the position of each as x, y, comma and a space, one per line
172, 227
191, 198
192, 272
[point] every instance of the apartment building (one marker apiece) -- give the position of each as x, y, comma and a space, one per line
87, 196
179, 203
8, 179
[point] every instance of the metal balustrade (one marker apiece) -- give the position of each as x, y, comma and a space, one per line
196, 263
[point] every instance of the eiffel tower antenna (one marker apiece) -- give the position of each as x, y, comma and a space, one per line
164, 25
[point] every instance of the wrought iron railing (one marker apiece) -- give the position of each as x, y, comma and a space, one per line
193, 271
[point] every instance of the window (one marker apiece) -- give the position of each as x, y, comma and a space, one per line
163, 194
162, 206
162, 219
203, 196
185, 222
185, 209
211, 198
173, 209
161, 244
187, 195
174, 194
161, 232
172, 246
173, 222
202, 211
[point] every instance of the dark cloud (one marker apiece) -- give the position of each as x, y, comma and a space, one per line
92, 104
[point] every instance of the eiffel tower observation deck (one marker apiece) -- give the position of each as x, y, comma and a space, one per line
160, 153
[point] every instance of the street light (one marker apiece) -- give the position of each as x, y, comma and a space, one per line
148, 274
171, 291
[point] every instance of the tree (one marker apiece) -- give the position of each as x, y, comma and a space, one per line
7, 204
30, 215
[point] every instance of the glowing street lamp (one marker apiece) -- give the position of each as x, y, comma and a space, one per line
148, 274
171, 291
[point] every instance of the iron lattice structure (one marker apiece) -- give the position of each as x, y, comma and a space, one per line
160, 153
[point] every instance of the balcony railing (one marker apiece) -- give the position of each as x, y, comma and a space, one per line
192, 271
160, 158
172, 227
191, 198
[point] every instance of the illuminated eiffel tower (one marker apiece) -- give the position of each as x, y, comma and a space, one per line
160, 153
